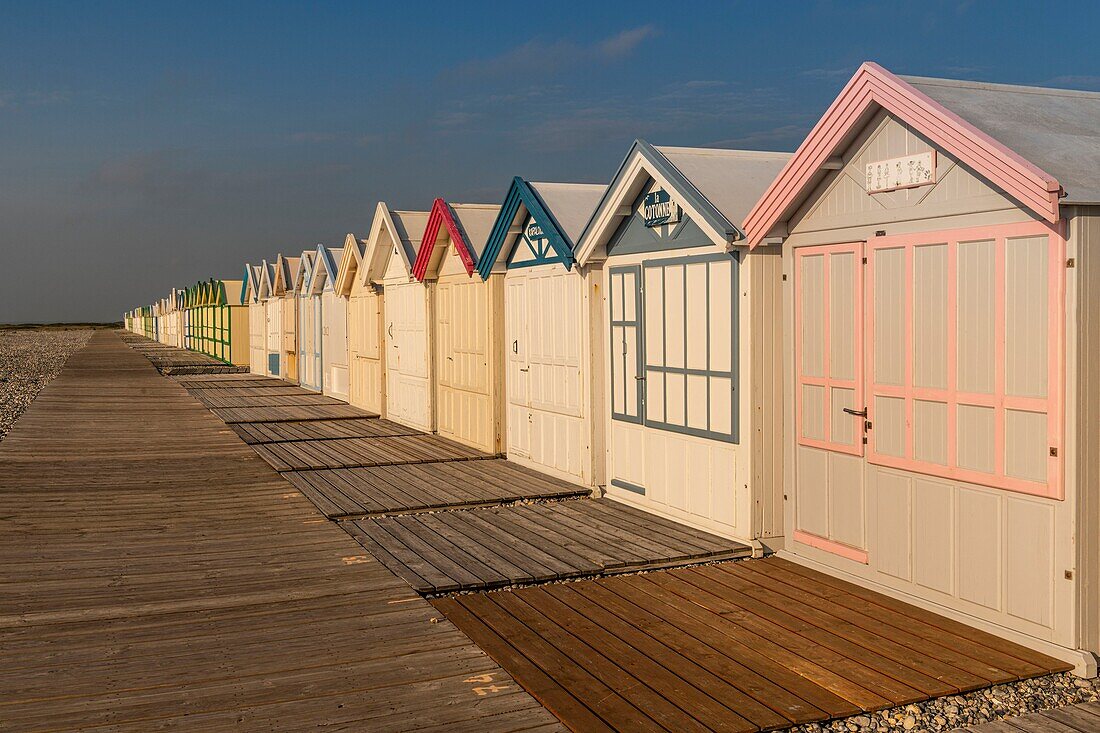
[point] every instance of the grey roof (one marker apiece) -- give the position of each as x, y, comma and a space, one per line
1057, 130
410, 227
476, 221
571, 204
731, 180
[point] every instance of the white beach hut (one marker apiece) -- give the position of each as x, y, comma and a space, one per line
552, 329
690, 374
467, 325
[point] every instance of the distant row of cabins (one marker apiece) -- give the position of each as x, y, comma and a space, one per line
876, 356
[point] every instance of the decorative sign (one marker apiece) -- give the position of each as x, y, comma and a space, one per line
659, 209
534, 231
908, 171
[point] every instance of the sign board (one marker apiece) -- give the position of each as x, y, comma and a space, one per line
908, 171
659, 209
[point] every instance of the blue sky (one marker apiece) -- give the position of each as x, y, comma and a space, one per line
147, 145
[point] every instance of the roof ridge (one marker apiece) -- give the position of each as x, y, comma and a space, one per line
997, 86
724, 151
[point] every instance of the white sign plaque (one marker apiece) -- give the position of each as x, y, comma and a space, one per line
909, 171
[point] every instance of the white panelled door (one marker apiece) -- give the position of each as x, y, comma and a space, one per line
518, 370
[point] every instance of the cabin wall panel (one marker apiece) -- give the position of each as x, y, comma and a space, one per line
964, 547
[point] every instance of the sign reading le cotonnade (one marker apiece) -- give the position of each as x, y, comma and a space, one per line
659, 209
908, 171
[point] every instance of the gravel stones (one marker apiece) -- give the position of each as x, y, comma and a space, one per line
972, 708
29, 359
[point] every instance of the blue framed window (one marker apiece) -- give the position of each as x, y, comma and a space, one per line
690, 370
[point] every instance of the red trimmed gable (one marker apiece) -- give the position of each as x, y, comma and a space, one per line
441, 216
873, 87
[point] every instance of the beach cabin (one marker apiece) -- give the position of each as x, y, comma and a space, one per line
940, 389
310, 371
467, 325
406, 364
333, 319
690, 417
170, 333
250, 297
551, 310
365, 346
284, 288
273, 320
215, 325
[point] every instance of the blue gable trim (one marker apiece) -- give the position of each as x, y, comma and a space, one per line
520, 193
656, 161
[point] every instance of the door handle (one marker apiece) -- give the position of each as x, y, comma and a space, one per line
640, 379
525, 369
855, 413
390, 330
515, 346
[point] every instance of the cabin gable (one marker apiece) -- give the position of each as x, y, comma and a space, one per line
842, 199
638, 234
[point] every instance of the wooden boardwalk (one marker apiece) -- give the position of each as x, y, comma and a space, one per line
481, 549
172, 360
389, 450
1083, 718
296, 413
289, 432
158, 575
359, 492
743, 646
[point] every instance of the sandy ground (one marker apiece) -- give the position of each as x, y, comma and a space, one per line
29, 359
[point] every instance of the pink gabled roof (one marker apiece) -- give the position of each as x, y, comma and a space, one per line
441, 216
873, 86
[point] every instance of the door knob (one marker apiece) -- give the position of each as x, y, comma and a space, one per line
855, 413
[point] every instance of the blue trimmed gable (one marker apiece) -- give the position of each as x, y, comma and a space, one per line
540, 241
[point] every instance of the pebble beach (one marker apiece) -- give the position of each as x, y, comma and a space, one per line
29, 359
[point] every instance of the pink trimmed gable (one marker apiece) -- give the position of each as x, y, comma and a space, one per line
441, 216
874, 85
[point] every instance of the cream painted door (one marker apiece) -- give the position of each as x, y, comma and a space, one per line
334, 349
274, 313
627, 465
464, 410
560, 437
365, 352
518, 369
408, 397
829, 405
257, 334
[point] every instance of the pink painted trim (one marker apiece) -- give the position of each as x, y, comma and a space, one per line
828, 381
872, 85
837, 548
441, 216
1052, 405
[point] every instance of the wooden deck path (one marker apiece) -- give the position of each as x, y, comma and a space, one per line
411, 492
390, 450
1083, 718
173, 360
743, 646
481, 549
218, 398
259, 433
345, 493
158, 575
296, 413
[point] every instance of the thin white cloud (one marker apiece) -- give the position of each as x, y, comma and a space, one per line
543, 58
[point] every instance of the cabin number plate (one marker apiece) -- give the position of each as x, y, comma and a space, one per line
909, 171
